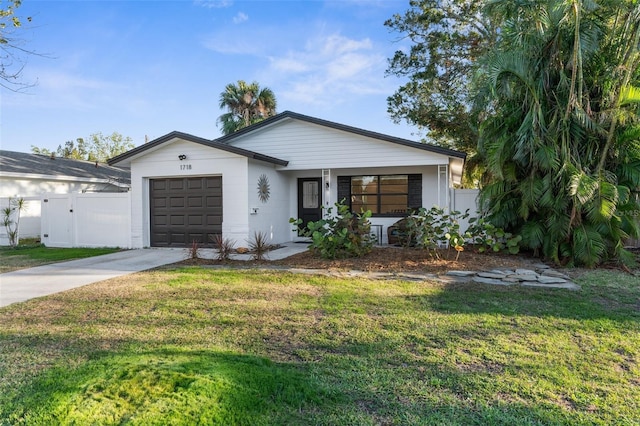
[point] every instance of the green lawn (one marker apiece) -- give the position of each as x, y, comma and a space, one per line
195, 345
28, 256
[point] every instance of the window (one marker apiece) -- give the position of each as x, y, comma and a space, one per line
384, 195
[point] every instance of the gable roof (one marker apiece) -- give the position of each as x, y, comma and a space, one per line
191, 138
228, 139
35, 164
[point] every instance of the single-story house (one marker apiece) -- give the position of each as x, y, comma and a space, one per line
29, 176
187, 188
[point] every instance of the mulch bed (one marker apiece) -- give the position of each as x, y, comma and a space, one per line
391, 259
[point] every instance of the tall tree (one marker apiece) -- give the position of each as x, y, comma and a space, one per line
561, 138
246, 104
11, 48
98, 147
446, 40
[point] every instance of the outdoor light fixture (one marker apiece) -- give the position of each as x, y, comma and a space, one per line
327, 184
182, 157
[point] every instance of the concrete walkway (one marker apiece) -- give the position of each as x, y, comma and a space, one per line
25, 284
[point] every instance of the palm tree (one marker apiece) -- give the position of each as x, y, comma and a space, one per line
561, 143
246, 104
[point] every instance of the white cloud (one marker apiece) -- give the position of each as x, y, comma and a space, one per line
67, 90
289, 64
240, 17
213, 4
60, 81
330, 69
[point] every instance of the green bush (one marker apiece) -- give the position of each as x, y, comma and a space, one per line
434, 228
338, 236
488, 237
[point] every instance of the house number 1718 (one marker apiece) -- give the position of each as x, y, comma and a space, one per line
185, 166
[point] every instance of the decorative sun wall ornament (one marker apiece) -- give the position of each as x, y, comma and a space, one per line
263, 188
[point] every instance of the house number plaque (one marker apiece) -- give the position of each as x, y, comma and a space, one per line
185, 166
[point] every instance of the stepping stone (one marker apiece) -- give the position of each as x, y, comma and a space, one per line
492, 281
553, 273
453, 279
541, 266
566, 285
413, 277
525, 272
461, 273
492, 275
550, 280
524, 277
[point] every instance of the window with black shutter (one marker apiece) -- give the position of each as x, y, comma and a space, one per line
384, 195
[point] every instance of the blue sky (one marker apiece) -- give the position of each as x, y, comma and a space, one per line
146, 68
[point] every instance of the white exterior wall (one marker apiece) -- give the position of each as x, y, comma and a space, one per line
200, 161
272, 217
29, 219
307, 146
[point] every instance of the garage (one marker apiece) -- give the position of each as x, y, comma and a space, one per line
184, 210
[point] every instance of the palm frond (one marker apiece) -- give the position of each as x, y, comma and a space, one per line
583, 187
532, 233
629, 95
589, 247
604, 203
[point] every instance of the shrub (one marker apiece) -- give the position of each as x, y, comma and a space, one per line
434, 228
342, 235
11, 219
193, 251
487, 236
259, 245
224, 246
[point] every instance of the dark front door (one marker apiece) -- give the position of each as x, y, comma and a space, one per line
184, 210
309, 200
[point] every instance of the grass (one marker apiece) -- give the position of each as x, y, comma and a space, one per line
30, 255
193, 345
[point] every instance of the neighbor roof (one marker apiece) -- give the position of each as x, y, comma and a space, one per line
191, 138
293, 115
21, 162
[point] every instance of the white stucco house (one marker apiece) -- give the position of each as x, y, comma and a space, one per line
29, 176
187, 188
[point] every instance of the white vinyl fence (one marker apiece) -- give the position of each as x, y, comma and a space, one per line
465, 199
86, 220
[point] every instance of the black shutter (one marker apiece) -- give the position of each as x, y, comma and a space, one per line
415, 191
344, 189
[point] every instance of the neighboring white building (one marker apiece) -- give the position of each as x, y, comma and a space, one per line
187, 188
29, 176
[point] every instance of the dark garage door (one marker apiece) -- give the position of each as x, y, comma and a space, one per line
184, 210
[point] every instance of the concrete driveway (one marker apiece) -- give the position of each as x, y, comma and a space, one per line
26, 284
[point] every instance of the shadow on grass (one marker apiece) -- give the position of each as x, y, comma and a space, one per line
591, 303
167, 386
185, 387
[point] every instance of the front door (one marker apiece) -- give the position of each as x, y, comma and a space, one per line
309, 200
